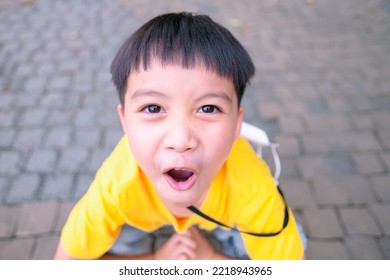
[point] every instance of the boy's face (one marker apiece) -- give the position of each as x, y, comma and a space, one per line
180, 124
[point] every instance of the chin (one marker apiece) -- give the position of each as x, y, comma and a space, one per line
181, 199
182, 202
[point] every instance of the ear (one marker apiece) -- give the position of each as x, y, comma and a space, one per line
240, 118
121, 113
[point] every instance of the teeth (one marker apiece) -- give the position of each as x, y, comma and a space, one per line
180, 175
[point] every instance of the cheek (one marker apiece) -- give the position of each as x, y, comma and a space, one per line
141, 144
217, 153
221, 139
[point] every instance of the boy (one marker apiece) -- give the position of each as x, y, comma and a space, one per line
180, 79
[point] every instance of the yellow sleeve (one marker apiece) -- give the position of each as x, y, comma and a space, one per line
287, 245
262, 209
96, 220
93, 225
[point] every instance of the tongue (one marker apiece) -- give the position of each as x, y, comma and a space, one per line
180, 175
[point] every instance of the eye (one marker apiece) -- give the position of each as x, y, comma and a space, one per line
209, 109
152, 109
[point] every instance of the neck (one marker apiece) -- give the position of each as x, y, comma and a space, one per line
179, 212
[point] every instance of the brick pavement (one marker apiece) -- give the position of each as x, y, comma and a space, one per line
322, 90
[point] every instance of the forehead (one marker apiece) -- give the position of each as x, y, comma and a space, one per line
173, 80
176, 72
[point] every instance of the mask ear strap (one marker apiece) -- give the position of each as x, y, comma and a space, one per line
285, 221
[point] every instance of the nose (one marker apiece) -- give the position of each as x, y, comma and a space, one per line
180, 136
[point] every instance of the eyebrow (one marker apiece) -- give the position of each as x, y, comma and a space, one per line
219, 95
151, 93
146, 93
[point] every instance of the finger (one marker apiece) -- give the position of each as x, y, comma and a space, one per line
187, 233
188, 252
187, 241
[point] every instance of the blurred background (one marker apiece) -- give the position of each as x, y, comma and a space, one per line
321, 90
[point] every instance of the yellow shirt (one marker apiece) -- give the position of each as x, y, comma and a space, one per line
243, 194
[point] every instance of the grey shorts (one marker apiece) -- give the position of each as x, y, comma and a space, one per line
132, 241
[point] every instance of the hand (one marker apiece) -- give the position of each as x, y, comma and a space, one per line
191, 245
203, 249
178, 247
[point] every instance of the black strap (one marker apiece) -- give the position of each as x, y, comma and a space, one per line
285, 221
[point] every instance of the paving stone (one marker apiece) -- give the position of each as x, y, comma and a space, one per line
365, 142
298, 194
95, 102
87, 117
24, 188
290, 170
381, 212
291, 125
305, 90
6, 100
57, 186
33, 117
59, 117
270, 110
363, 248
82, 185
8, 220
7, 119
322, 223
339, 105
29, 137
69, 66
4, 181
315, 144
368, 163
288, 145
108, 118
362, 121
97, 158
89, 137
381, 187
327, 123
16, 249
45, 248
296, 108
10, 162
111, 137
6, 137
42, 161
37, 84
59, 137
329, 192
358, 221
37, 218
327, 250
73, 159
59, 83
340, 165
386, 159
313, 167
358, 190
332, 165
315, 105
384, 244
53, 100
385, 138
341, 141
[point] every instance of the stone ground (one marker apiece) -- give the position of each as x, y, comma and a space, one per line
322, 91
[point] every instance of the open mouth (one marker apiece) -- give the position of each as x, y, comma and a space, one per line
180, 175
180, 179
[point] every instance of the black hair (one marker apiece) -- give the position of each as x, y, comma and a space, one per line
185, 39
